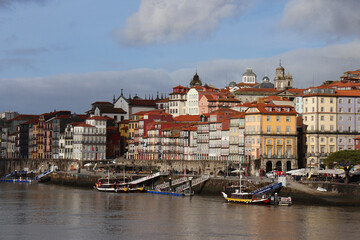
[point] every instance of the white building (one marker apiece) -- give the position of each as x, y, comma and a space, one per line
177, 101
90, 139
192, 102
249, 76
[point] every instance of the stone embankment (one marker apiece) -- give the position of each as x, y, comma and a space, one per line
337, 194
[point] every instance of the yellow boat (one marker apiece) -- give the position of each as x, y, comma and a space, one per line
248, 198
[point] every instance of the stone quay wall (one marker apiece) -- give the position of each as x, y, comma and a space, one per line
200, 167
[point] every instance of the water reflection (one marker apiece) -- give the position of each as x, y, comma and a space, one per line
33, 211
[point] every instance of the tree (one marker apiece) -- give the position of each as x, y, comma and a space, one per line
345, 159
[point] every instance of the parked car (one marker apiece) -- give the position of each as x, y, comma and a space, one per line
273, 174
270, 174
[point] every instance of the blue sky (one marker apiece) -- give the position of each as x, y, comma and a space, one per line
66, 54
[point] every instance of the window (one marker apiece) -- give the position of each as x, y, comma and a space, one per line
278, 118
322, 109
349, 101
322, 127
349, 109
312, 118
287, 130
322, 100
340, 101
313, 100
288, 118
268, 129
331, 109
322, 118
331, 149
268, 118
322, 149
331, 100
331, 127
277, 129
340, 109
331, 118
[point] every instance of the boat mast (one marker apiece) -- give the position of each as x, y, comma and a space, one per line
108, 173
240, 176
124, 174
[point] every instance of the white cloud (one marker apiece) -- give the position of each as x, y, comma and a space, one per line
333, 19
308, 66
76, 92
162, 21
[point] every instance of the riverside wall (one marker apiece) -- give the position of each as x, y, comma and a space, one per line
338, 194
207, 167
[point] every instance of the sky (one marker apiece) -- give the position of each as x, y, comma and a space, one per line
66, 54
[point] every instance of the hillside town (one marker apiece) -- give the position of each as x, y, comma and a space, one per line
262, 125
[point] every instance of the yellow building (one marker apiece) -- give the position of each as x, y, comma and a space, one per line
320, 118
271, 137
124, 136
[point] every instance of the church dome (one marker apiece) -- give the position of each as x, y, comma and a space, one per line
280, 68
232, 84
195, 81
249, 73
266, 79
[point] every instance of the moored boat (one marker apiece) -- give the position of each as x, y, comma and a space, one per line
111, 185
249, 198
134, 188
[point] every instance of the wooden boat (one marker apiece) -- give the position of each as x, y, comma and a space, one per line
111, 185
248, 198
240, 196
121, 188
133, 188
105, 185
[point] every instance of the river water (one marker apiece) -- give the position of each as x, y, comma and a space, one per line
42, 211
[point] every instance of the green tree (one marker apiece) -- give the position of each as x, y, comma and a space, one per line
345, 159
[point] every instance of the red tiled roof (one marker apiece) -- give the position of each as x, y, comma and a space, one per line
262, 107
99, 118
191, 128
163, 100
35, 120
187, 118
240, 115
23, 117
142, 102
350, 93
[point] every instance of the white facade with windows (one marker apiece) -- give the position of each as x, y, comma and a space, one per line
89, 141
